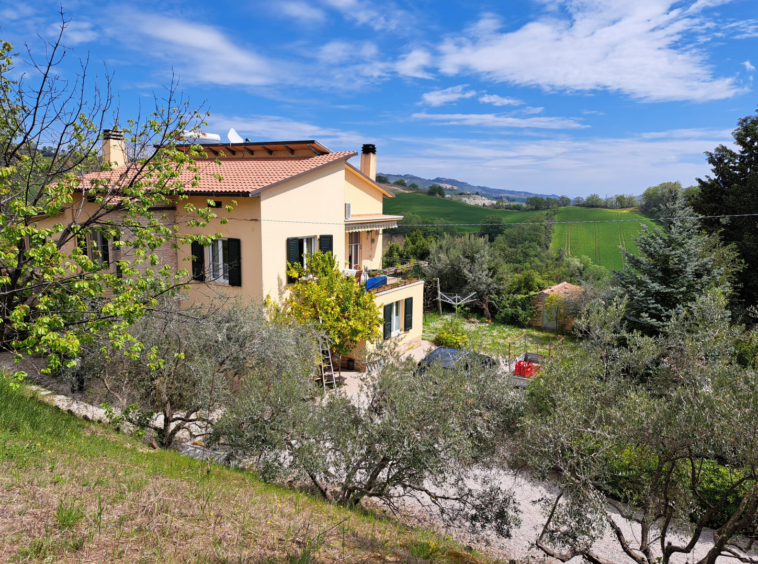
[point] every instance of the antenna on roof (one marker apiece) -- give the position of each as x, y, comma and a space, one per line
233, 136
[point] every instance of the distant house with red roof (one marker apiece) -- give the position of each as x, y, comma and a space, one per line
551, 304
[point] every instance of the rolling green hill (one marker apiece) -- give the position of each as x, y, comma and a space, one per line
599, 241
429, 207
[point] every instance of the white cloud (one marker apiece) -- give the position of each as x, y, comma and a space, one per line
496, 100
531, 110
576, 167
203, 53
638, 48
301, 11
414, 63
448, 95
387, 17
77, 31
748, 66
500, 121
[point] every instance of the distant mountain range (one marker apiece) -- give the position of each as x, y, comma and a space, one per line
514, 195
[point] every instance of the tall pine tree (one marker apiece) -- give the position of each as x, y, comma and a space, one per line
733, 189
671, 270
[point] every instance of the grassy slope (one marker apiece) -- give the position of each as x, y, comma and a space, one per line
453, 212
599, 241
73, 491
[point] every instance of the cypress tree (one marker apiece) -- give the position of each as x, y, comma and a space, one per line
671, 270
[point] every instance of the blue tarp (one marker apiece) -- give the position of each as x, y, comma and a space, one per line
377, 282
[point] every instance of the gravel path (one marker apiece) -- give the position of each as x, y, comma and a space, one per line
520, 546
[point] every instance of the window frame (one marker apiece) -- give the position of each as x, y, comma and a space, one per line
219, 270
354, 265
96, 242
396, 317
304, 251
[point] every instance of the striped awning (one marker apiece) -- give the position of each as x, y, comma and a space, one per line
354, 227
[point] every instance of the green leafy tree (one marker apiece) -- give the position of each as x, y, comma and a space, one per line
655, 197
593, 201
323, 295
380, 178
733, 189
564, 201
54, 291
436, 190
399, 182
492, 226
670, 271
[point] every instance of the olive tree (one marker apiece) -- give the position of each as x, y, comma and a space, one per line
657, 431
407, 435
188, 361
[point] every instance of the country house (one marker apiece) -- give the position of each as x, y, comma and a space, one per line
291, 199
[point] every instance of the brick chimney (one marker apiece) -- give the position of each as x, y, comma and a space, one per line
368, 161
114, 147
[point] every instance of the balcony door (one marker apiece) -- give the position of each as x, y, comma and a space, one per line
354, 251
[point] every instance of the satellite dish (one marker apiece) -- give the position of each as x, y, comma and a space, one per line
234, 137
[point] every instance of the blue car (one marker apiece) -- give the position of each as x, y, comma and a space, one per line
452, 358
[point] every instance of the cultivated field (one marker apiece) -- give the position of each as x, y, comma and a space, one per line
599, 241
429, 207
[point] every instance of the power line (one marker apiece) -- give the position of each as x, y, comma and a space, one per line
725, 216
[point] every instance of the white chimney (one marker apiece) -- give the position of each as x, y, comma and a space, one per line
368, 161
114, 147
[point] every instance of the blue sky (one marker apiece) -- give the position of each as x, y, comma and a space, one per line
551, 96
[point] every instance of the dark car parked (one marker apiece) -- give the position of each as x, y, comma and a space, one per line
452, 358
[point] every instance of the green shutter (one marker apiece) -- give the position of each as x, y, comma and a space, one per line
387, 321
408, 314
198, 262
326, 243
293, 254
235, 262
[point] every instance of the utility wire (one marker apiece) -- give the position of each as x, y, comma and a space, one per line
511, 222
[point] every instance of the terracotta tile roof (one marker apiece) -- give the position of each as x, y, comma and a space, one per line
241, 176
564, 289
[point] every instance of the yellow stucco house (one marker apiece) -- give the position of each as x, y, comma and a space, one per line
292, 198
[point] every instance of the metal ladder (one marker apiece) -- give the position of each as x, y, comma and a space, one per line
326, 366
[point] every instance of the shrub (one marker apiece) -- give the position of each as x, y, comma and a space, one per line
515, 309
452, 335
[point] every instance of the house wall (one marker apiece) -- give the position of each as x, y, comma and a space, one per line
317, 200
364, 197
239, 227
406, 339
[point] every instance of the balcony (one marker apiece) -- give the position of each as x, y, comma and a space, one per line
394, 276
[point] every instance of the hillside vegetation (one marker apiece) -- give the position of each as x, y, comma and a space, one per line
449, 210
75, 491
599, 241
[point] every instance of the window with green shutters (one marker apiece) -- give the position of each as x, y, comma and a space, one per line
198, 262
326, 243
408, 321
387, 321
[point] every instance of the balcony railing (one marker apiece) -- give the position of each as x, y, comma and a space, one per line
394, 276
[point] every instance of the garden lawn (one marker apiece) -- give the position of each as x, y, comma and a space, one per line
432, 207
491, 337
599, 241
74, 491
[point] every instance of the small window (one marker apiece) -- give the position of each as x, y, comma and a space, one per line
217, 204
98, 248
396, 318
307, 247
219, 255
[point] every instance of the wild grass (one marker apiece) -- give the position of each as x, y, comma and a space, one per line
489, 337
74, 491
